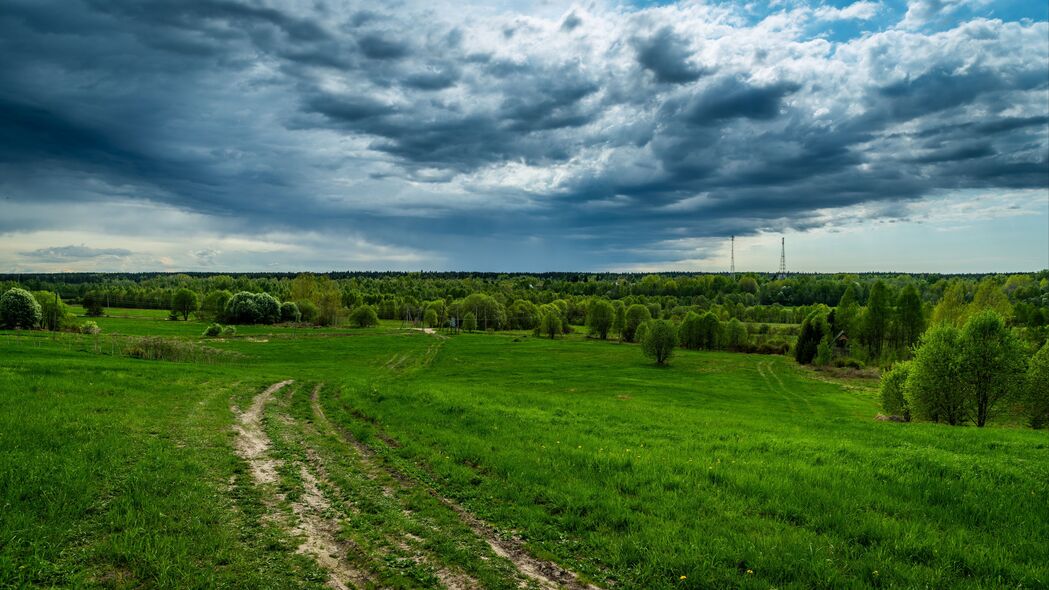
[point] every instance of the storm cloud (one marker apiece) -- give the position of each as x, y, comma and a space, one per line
590, 137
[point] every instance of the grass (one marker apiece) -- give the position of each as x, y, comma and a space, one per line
732, 470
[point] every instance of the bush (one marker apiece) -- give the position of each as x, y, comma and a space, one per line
599, 316
430, 318
212, 331
1036, 399
19, 309
253, 308
893, 388
93, 304
90, 328
364, 316
307, 311
289, 312
636, 315
658, 341
214, 306
934, 388
54, 314
550, 324
469, 322
992, 363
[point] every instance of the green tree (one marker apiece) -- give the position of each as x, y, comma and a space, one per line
709, 331
934, 386
242, 309
847, 313
94, 304
736, 337
19, 309
989, 296
951, 308
1036, 398
748, 285
184, 302
814, 330
619, 319
909, 320
876, 318
636, 315
893, 388
289, 312
469, 322
307, 311
992, 364
54, 314
364, 316
658, 340
268, 308
214, 305
430, 318
550, 323
599, 316
690, 332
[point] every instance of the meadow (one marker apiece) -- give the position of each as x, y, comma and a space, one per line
415, 460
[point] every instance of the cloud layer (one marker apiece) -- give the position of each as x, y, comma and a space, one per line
586, 137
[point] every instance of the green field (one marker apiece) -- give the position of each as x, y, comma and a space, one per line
410, 460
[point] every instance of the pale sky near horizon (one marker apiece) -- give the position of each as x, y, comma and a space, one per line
254, 135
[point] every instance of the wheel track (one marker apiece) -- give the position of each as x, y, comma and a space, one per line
547, 574
319, 534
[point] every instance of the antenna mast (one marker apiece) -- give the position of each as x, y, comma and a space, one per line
732, 269
782, 258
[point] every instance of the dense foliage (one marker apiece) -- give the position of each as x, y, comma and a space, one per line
19, 309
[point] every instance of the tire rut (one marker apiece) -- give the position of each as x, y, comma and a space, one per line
318, 533
547, 574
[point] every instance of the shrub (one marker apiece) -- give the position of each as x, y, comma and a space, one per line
214, 306
364, 316
658, 341
289, 312
212, 331
1036, 399
550, 324
430, 318
253, 308
893, 398
54, 314
93, 304
90, 328
19, 309
307, 311
636, 315
228, 331
736, 337
599, 316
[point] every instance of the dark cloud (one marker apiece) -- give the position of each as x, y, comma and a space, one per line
666, 55
406, 122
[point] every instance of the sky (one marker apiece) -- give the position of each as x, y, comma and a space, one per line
316, 135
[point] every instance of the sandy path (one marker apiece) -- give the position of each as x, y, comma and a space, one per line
318, 533
549, 575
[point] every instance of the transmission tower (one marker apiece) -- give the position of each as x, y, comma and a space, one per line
782, 258
732, 268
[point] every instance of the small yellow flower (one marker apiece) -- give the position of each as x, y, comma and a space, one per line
683, 578
750, 572
875, 573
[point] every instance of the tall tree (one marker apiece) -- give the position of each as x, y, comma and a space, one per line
599, 316
658, 341
876, 318
184, 302
992, 364
934, 384
847, 313
909, 320
951, 308
989, 296
635, 315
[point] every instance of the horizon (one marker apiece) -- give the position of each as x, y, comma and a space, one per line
606, 137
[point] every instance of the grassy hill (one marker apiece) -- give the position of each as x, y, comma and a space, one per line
477, 460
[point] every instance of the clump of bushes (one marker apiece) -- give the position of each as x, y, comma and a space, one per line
216, 330
253, 308
19, 309
364, 316
171, 349
90, 328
